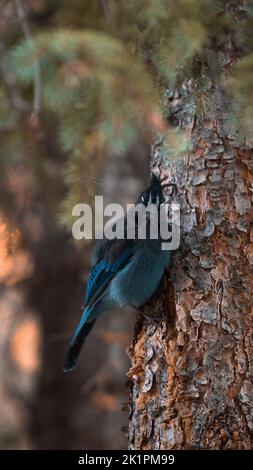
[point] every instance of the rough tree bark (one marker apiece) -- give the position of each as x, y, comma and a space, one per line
191, 375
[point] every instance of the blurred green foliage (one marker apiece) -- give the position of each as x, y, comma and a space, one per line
105, 66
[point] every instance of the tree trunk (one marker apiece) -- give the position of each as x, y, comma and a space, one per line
191, 375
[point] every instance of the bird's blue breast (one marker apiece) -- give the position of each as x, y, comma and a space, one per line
139, 279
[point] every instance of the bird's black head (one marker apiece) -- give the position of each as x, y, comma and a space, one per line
154, 194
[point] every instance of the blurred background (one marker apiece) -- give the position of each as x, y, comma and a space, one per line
54, 152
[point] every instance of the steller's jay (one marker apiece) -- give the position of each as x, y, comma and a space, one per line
125, 272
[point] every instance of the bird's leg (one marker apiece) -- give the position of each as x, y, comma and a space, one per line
150, 313
158, 308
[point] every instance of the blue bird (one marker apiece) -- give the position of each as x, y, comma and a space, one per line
125, 272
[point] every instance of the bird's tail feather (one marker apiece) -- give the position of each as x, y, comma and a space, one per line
76, 344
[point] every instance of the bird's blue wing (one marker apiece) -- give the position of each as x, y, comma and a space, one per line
102, 273
110, 260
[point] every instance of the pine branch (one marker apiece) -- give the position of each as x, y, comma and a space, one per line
37, 80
